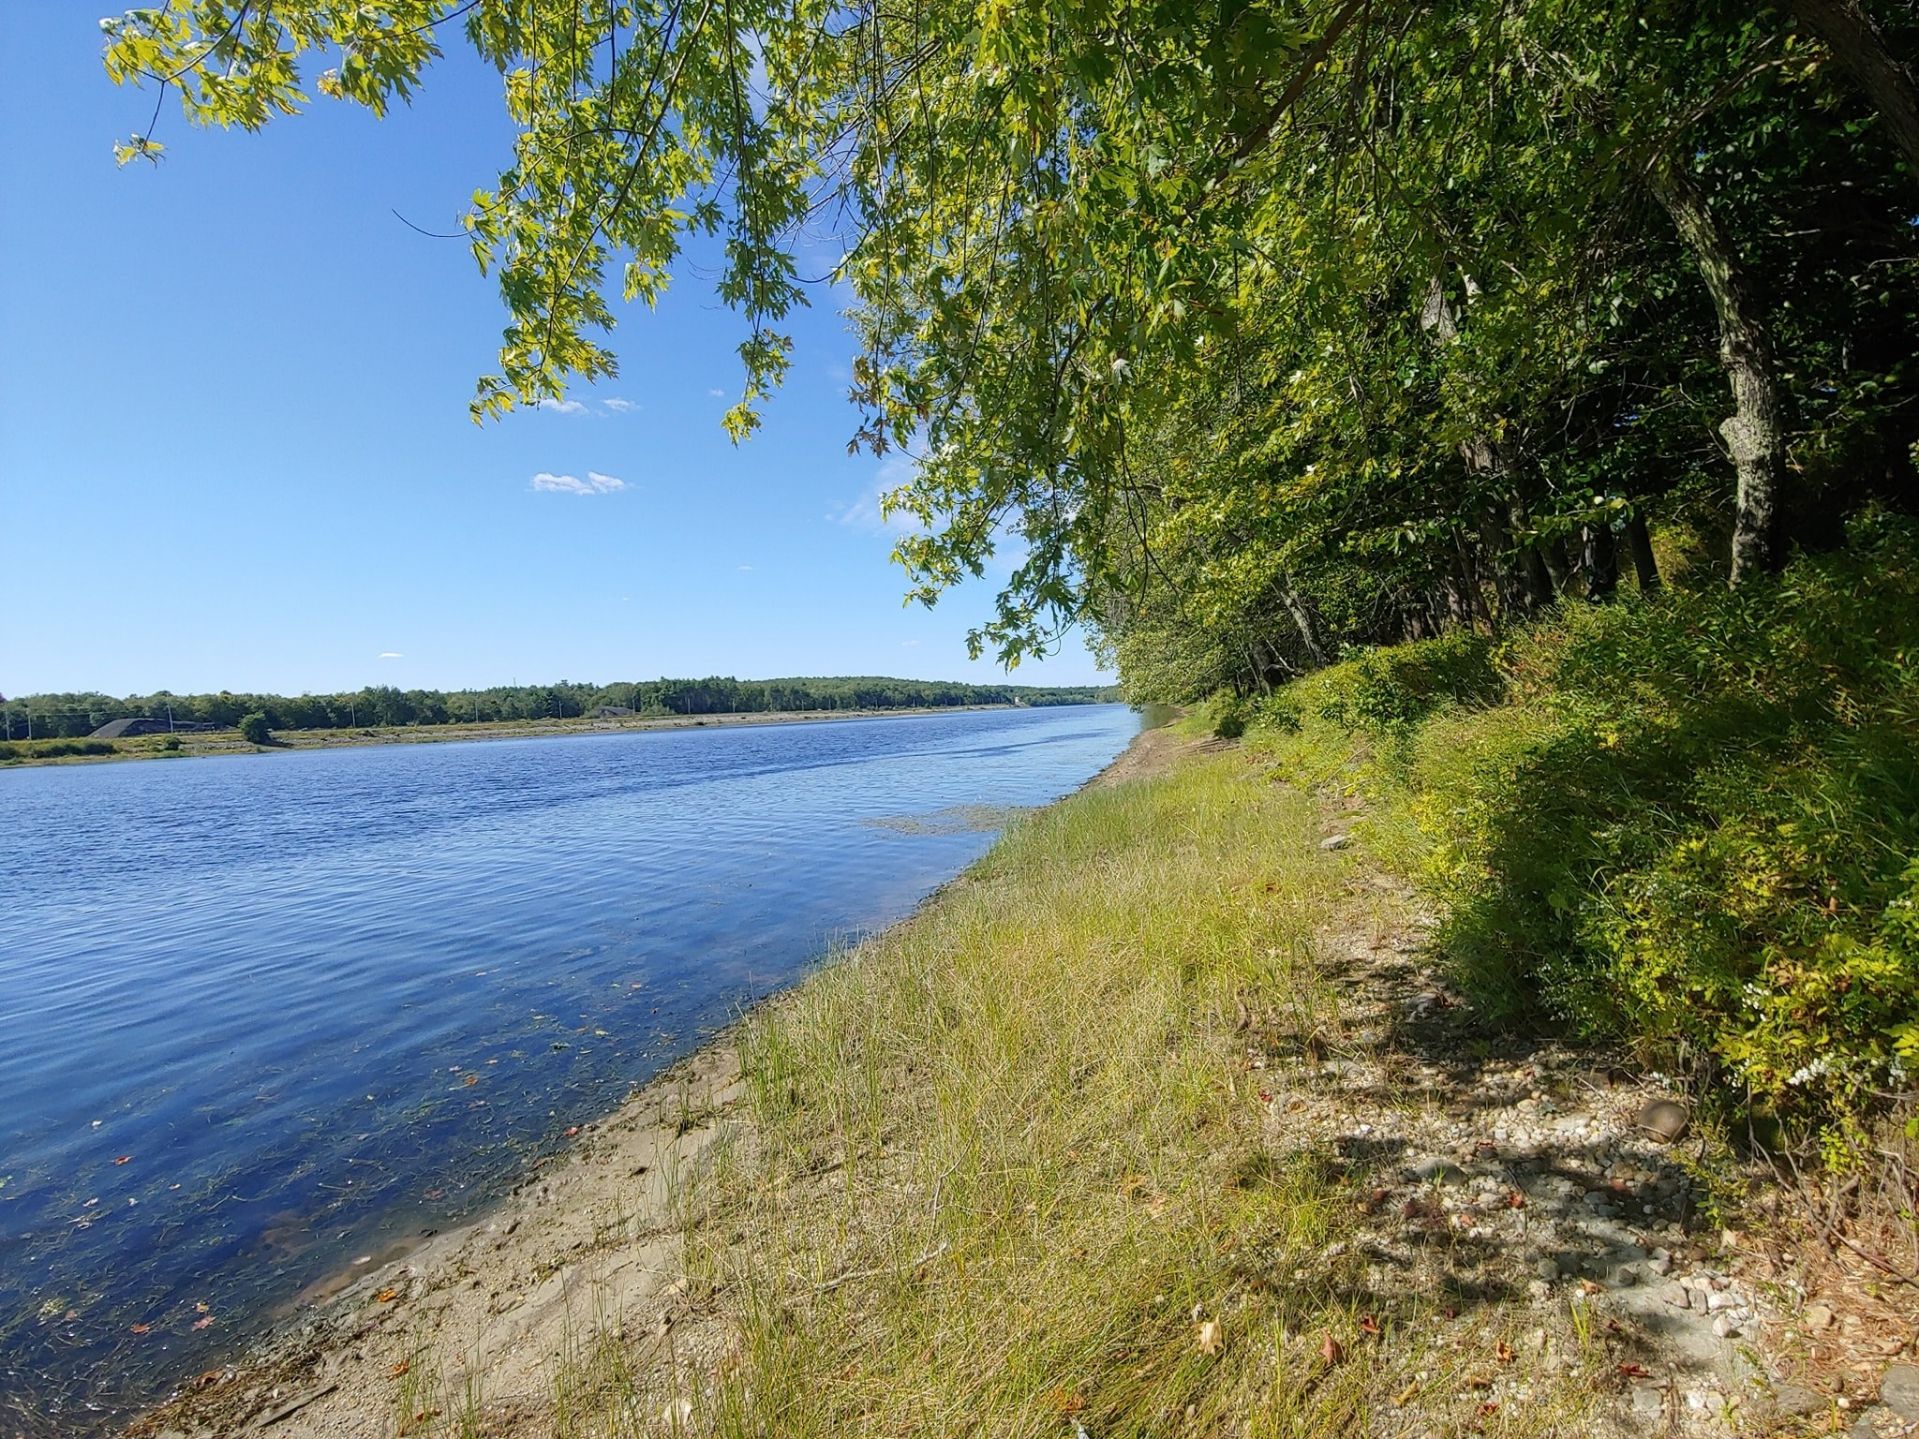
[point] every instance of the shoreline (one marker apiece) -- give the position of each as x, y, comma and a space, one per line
593, 1223
227, 743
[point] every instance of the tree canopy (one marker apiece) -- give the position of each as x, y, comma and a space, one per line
1258, 327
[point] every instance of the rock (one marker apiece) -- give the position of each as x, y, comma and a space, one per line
1796, 1401
1547, 1268
1664, 1119
1817, 1317
1725, 1327
1438, 1171
1899, 1390
1647, 1402
1335, 841
1677, 1295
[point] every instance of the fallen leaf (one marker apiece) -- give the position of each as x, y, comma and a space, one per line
1208, 1340
1591, 1286
1066, 1402
1368, 1325
1406, 1395
387, 1296
471, 1080
402, 1367
204, 1322
1331, 1352
124, 1159
1504, 1353
1634, 1371
202, 1307
143, 1329
572, 1130
1515, 1200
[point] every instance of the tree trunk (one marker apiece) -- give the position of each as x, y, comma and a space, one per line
1599, 561
1307, 626
1856, 43
1643, 564
1753, 431
1559, 565
1475, 587
1533, 569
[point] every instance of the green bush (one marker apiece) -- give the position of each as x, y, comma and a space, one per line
254, 729
9, 751
1384, 689
171, 742
1689, 823
1226, 715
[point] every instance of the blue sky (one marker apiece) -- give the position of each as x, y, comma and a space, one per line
235, 451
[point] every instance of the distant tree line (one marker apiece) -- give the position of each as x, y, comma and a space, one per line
60, 716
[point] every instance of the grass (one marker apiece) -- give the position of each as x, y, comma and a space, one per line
1006, 1171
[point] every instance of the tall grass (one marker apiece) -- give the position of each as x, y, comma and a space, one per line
1009, 1172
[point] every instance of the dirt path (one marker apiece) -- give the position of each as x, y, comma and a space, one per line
1529, 1176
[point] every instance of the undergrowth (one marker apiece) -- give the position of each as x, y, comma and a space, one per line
1689, 823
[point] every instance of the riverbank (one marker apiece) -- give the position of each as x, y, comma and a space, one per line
228, 742
1155, 1122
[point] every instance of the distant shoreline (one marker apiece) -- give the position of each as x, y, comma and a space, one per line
228, 742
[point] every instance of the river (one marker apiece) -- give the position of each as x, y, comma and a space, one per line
262, 1017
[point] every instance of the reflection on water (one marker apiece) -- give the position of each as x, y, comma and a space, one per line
262, 1018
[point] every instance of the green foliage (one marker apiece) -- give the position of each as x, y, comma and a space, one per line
254, 729
1692, 824
1383, 689
57, 749
1226, 715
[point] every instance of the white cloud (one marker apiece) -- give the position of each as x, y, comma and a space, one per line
560, 407
717, 394
619, 406
391, 655
746, 569
909, 644
595, 483
864, 512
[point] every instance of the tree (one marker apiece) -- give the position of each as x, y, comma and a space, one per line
253, 728
1349, 319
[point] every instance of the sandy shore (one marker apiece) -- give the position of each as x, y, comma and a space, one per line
483, 1317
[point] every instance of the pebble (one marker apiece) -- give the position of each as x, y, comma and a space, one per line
1818, 1317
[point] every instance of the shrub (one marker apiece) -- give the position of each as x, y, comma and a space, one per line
254, 730
1689, 823
171, 742
1226, 715
1384, 689
9, 752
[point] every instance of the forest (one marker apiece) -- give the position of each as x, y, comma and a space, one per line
1517, 397
67, 716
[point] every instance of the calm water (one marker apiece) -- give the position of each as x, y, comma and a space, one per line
261, 1017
